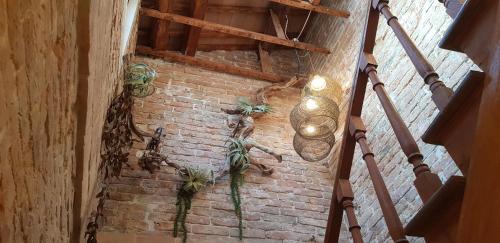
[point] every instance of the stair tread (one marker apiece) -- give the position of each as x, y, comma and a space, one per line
451, 192
460, 26
472, 82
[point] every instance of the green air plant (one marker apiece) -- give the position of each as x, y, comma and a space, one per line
238, 164
247, 108
192, 181
140, 77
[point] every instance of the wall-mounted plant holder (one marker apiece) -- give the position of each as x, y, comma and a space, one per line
140, 77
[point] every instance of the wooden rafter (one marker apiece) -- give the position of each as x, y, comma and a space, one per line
210, 65
314, 8
199, 10
265, 60
159, 37
277, 25
231, 30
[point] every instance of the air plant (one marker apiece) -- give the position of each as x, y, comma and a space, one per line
140, 77
239, 162
248, 108
192, 181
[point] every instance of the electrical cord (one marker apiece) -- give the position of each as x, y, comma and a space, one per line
296, 39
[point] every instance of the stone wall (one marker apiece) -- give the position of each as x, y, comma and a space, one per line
426, 22
104, 82
60, 67
289, 206
38, 67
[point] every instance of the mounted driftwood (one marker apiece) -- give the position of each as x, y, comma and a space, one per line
238, 160
264, 93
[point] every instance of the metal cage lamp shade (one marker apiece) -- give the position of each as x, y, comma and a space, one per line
313, 149
315, 117
323, 86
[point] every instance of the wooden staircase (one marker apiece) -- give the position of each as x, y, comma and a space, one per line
468, 126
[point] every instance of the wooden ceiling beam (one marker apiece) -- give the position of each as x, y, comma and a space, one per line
226, 47
217, 8
159, 36
210, 65
231, 30
278, 29
314, 8
315, 2
199, 10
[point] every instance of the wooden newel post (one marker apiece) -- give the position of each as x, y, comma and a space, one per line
440, 93
345, 196
358, 130
426, 182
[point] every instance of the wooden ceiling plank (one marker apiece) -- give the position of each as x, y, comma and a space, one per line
210, 65
265, 60
159, 36
231, 30
314, 8
199, 10
277, 25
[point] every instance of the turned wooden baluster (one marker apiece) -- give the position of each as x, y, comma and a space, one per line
358, 130
452, 7
426, 182
345, 197
440, 93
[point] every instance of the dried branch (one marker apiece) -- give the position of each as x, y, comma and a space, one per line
263, 94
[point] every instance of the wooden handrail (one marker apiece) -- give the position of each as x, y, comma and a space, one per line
396, 231
426, 182
348, 143
345, 196
440, 93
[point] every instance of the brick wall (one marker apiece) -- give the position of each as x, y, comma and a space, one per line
426, 22
289, 206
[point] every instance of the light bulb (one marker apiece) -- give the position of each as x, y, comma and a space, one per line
311, 104
318, 83
310, 129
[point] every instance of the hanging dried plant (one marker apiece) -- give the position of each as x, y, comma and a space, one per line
117, 134
117, 138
